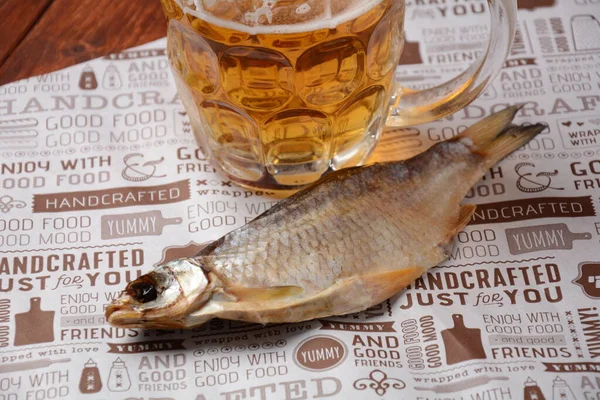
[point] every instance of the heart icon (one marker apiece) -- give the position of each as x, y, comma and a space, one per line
568, 123
580, 123
595, 121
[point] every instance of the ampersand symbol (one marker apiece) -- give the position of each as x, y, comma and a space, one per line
537, 186
135, 172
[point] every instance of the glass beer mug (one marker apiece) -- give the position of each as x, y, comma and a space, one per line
280, 92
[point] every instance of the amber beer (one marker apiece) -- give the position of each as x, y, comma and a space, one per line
278, 94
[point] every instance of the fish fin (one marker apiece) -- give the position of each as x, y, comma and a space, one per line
389, 283
488, 129
510, 140
464, 217
263, 294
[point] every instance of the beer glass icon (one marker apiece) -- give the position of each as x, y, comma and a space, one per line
586, 32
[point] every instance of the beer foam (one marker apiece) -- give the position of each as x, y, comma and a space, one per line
253, 20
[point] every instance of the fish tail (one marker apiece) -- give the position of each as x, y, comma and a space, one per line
488, 129
510, 140
495, 137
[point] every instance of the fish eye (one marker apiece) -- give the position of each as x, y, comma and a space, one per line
143, 292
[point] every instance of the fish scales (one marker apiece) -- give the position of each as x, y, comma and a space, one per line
371, 209
348, 242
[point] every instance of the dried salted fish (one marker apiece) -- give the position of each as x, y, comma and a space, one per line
350, 241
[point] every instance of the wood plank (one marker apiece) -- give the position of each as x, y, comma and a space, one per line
74, 31
17, 20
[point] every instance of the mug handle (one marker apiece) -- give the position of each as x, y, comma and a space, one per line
413, 107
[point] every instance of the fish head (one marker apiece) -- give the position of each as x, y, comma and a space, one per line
162, 298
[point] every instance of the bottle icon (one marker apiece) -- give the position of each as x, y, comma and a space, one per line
111, 79
118, 377
90, 381
532, 391
562, 391
87, 80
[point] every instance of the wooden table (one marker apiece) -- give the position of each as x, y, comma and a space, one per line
39, 36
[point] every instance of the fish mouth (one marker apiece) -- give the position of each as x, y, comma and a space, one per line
120, 314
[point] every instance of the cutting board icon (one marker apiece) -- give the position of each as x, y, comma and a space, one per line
34, 326
462, 343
